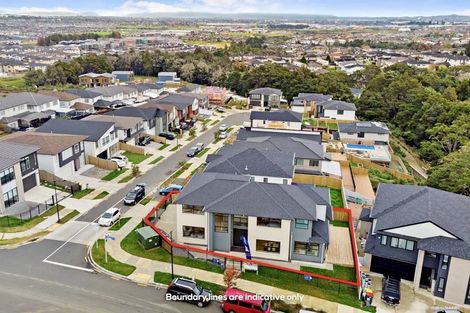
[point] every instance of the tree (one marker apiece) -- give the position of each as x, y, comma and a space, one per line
35, 78
303, 60
230, 276
451, 137
135, 170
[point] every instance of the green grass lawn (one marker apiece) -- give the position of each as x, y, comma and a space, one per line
13, 83
126, 179
52, 186
112, 175
11, 224
130, 245
120, 223
165, 278
341, 272
163, 146
157, 160
136, 158
310, 121
336, 198
101, 195
339, 223
112, 264
145, 201
204, 151
82, 193
333, 126
176, 147
68, 217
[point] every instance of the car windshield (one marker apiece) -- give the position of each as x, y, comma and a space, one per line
131, 194
197, 290
107, 215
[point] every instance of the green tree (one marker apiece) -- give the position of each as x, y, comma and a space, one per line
35, 78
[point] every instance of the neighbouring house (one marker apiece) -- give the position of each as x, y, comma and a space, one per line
282, 119
26, 109
190, 88
187, 107
96, 80
170, 112
421, 234
279, 221
167, 77
67, 104
61, 155
155, 120
335, 109
18, 172
305, 102
124, 76
147, 91
367, 133
202, 98
114, 93
85, 96
128, 128
246, 133
265, 97
216, 95
101, 137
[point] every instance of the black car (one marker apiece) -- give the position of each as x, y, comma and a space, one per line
183, 289
143, 141
167, 135
391, 290
135, 195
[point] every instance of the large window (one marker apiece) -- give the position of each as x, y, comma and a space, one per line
221, 223
383, 240
10, 197
340, 112
441, 284
301, 224
192, 209
25, 164
269, 222
7, 175
268, 246
240, 221
313, 163
401, 243
299, 162
306, 248
193, 232
255, 97
394, 242
445, 262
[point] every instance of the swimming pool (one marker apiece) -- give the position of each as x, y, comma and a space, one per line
359, 147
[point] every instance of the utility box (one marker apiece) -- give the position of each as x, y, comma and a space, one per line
148, 238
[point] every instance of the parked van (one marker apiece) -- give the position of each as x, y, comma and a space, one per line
239, 301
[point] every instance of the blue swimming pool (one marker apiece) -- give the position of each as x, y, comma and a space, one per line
359, 147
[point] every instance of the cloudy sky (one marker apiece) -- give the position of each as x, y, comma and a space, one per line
334, 7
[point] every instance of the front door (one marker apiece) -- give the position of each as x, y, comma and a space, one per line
240, 228
426, 278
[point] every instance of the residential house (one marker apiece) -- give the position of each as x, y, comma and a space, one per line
147, 90
85, 95
70, 104
335, 109
265, 97
101, 137
18, 172
114, 93
202, 98
167, 77
187, 107
96, 80
124, 76
190, 88
282, 119
155, 120
305, 102
170, 112
27, 109
367, 133
61, 155
128, 129
421, 234
279, 221
253, 133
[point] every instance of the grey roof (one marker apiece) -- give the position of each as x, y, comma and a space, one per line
445, 245
92, 129
317, 97
188, 88
281, 115
11, 153
320, 232
144, 113
338, 105
180, 101
110, 91
84, 93
29, 98
364, 127
243, 160
103, 104
365, 215
235, 194
375, 248
266, 91
143, 87
244, 134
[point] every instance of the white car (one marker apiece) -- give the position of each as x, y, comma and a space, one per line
223, 127
222, 135
120, 160
109, 217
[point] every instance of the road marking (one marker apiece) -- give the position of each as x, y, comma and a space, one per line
70, 266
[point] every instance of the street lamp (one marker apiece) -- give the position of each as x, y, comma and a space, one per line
171, 253
56, 202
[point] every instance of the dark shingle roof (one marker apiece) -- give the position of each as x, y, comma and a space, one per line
338, 105
317, 97
92, 129
281, 115
82, 93
244, 134
11, 153
145, 113
365, 215
266, 91
29, 98
366, 127
180, 101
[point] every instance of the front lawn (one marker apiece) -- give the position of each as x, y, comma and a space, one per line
68, 217
136, 158
11, 224
157, 160
82, 193
112, 175
121, 222
165, 278
101, 195
204, 151
341, 272
336, 198
176, 147
163, 146
146, 200
112, 264
126, 179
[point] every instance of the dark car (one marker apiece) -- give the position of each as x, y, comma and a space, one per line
391, 290
135, 195
166, 190
187, 290
192, 152
143, 141
167, 135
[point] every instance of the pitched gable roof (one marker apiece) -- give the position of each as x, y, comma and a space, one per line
29, 98
266, 91
281, 115
93, 130
50, 144
338, 105
365, 127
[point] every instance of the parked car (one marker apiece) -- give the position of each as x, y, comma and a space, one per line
220, 109
222, 135
223, 127
167, 135
199, 146
184, 126
166, 190
120, 160
268, 108
143, 141
391, 290
135, 195
192, 152
240, 301
187, 290
109, 217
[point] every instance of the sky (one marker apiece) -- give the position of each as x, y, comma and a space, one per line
356, 8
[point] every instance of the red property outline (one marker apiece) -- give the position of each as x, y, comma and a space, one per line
260, 263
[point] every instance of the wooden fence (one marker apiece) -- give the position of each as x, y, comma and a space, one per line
157, 139
53, 179
371, 165
131, 148
328, 181
340, 216
101, 163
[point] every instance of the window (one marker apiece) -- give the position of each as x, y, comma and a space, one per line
265, 180
244, 304
7, 175
340, 112
252, 179
441, 284
25, 164
383, 240
192, 209
193, 232
268, 246
305, 248
221, 223
402, 243
360, 135
394, 242
240, 221
313, 163
301, 224
410, 245
255, 97
299, 162
10, 197
445, 262
76, 148
285, 181
268, 222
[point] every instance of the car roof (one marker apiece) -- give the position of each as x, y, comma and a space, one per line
242, 295
185, 282
111, 210
175, 185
